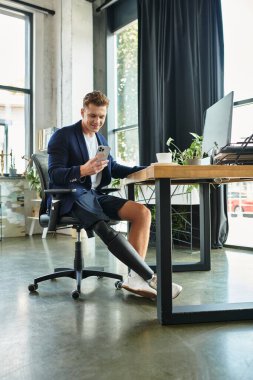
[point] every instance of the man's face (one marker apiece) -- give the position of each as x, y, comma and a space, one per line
93, 118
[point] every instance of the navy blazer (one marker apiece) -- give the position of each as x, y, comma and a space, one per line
67, 151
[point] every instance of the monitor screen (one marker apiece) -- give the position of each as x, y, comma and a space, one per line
218, 124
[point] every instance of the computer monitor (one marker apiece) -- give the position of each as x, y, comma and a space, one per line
218, 125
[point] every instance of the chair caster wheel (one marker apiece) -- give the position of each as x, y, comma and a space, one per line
32, 287
118, 284
75, 294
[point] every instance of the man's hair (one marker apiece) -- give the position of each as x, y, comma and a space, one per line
97, 98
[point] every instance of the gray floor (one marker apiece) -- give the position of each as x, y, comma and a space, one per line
110, 334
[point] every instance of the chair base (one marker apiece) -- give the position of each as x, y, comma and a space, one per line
77, 275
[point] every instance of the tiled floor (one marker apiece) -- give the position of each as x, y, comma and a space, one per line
111, 334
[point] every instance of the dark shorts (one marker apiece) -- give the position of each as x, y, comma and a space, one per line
94, 206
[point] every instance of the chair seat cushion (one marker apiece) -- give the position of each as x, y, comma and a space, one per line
64, 221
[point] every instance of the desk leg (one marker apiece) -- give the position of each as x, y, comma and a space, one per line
205, 236
205, 226
163, 249
131, 197
130, 192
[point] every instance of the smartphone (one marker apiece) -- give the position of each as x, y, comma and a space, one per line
103, 152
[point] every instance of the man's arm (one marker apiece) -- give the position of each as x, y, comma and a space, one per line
122, 171
60, 172
66, 165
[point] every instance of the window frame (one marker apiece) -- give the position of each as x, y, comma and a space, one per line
112, 89
27, 90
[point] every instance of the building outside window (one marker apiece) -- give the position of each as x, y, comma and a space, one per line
15, 88
238, 36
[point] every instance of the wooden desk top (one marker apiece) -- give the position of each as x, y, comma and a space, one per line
212, 173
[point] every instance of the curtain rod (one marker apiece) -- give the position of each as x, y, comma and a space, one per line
105, 5
37, 7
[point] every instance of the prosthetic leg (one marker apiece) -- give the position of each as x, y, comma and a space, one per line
122, 249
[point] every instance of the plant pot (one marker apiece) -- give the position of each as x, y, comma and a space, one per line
13, 172
194, 161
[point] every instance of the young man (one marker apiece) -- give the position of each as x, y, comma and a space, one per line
74, 163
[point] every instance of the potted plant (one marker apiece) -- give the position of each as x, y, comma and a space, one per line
32, 176
191, 155
33, 179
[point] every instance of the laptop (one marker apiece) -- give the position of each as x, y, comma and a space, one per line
218, 125
217, 136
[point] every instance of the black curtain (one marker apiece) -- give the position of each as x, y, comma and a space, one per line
181, 64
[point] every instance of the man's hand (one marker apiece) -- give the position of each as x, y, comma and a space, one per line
93, 166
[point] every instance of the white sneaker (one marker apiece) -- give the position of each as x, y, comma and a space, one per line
176, 289
137, 285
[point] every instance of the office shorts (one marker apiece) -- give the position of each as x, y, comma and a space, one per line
93, 206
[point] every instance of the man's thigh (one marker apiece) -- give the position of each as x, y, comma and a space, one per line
88, 210
111, 205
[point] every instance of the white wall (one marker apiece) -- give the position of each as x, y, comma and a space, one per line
73, 70
82, 54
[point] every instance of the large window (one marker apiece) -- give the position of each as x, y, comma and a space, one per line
238, 36
125, 95
15, 88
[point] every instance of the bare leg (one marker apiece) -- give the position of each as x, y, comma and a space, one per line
140, 218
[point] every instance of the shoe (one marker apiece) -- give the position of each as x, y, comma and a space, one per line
137, 285
176, 289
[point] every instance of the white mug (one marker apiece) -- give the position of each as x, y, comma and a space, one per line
165, 158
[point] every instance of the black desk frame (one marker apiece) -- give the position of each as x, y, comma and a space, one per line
166, 312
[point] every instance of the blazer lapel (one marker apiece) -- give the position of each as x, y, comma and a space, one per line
81, 141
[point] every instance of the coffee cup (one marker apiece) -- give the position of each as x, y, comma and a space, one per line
165, 158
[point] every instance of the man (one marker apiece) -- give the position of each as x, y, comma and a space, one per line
74, 163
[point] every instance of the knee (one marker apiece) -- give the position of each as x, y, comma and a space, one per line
144, 214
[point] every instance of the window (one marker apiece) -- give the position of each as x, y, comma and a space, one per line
238, 36
15, 88
126, 95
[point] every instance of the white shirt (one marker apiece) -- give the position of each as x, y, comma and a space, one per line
92, 146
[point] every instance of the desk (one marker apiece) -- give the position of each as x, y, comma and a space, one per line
164, 175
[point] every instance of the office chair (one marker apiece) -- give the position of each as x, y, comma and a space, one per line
53, 223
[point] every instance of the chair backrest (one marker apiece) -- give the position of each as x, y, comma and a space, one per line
40, 161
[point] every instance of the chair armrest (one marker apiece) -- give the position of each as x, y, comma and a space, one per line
108, 190
53, 215
59, 191
55, 206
